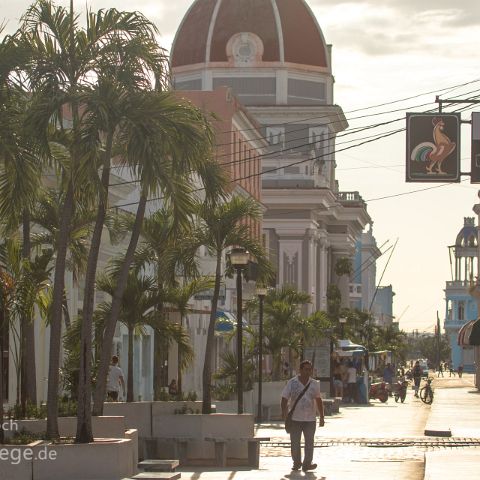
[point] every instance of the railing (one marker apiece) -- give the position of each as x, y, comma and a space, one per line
352, 197
459, 283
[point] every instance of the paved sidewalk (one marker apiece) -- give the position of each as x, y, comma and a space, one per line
455, 411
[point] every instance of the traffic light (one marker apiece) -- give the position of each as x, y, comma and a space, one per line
475, 148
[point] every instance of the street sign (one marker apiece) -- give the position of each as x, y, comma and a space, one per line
475, 151
433, 147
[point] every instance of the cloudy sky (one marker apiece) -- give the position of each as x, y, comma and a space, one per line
384, 50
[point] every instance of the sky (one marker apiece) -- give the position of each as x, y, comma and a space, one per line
383, 50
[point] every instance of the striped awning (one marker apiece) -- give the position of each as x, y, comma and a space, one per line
469, 334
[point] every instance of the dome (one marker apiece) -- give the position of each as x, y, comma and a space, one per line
249, 31
468, 235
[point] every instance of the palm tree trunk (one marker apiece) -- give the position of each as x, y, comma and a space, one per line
84, 409
130, 365
2, 330
56, 315
158, 345
100, 388
207, 366
179, 363
30, 388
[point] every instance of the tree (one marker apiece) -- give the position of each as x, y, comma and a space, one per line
283, 323
137, 301
167, 246
167, 144
63, 60
19, 181
220, 228
180, 297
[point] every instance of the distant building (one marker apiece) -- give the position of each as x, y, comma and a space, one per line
460, 306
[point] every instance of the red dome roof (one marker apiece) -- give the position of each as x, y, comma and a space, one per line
287, 29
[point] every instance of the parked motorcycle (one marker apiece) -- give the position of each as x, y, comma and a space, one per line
378, 391
399, 390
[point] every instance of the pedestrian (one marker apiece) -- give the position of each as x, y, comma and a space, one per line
388, 374
338, 380
172, 388
440, 369
302, 395
460, 371
451, 370
114, 380
417, 376
351, 382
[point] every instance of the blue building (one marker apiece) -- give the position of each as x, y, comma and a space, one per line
461, 307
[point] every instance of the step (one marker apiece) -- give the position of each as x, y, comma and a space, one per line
155, 476
156, 465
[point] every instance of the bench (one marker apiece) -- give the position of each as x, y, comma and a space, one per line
155, 476
158, 465
179, 446
253, 449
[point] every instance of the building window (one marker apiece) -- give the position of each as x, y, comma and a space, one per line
461, 310
276, 136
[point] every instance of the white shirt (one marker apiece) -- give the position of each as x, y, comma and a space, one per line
113, 382
306, 409
352, 375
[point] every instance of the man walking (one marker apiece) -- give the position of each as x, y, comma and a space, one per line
115, 379
307, 390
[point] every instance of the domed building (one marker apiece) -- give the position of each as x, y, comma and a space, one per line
461, 307
274, 58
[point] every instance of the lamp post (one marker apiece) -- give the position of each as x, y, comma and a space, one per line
342, 321
261, 292
239, 260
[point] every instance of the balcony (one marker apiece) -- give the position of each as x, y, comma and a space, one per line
350, 198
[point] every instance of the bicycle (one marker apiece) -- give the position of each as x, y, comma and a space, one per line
426, 392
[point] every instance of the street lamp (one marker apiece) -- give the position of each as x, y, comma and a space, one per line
260, 292
342, 321
239, 260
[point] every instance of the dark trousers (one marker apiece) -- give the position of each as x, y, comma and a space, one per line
308, 430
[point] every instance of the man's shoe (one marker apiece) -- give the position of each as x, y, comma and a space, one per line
312, 466
297, 466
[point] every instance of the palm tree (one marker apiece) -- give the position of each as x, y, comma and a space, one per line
137, 301
28, 279
19, 181
132, 62
166, 247
180, 297
65, 60
221, 228
283, 323
166, 145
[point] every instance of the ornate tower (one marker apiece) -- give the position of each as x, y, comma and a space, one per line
461, 307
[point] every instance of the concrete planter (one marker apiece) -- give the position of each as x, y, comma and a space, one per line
103, 427
139, 415
166, 428
106, 459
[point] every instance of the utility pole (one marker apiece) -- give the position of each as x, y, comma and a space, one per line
438, 340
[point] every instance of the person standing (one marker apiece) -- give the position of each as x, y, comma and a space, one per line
451, 370
417, 376
460, 371
351, 382
114, 380
304, 415
440, 369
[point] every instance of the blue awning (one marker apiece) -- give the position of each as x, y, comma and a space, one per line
226, 322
